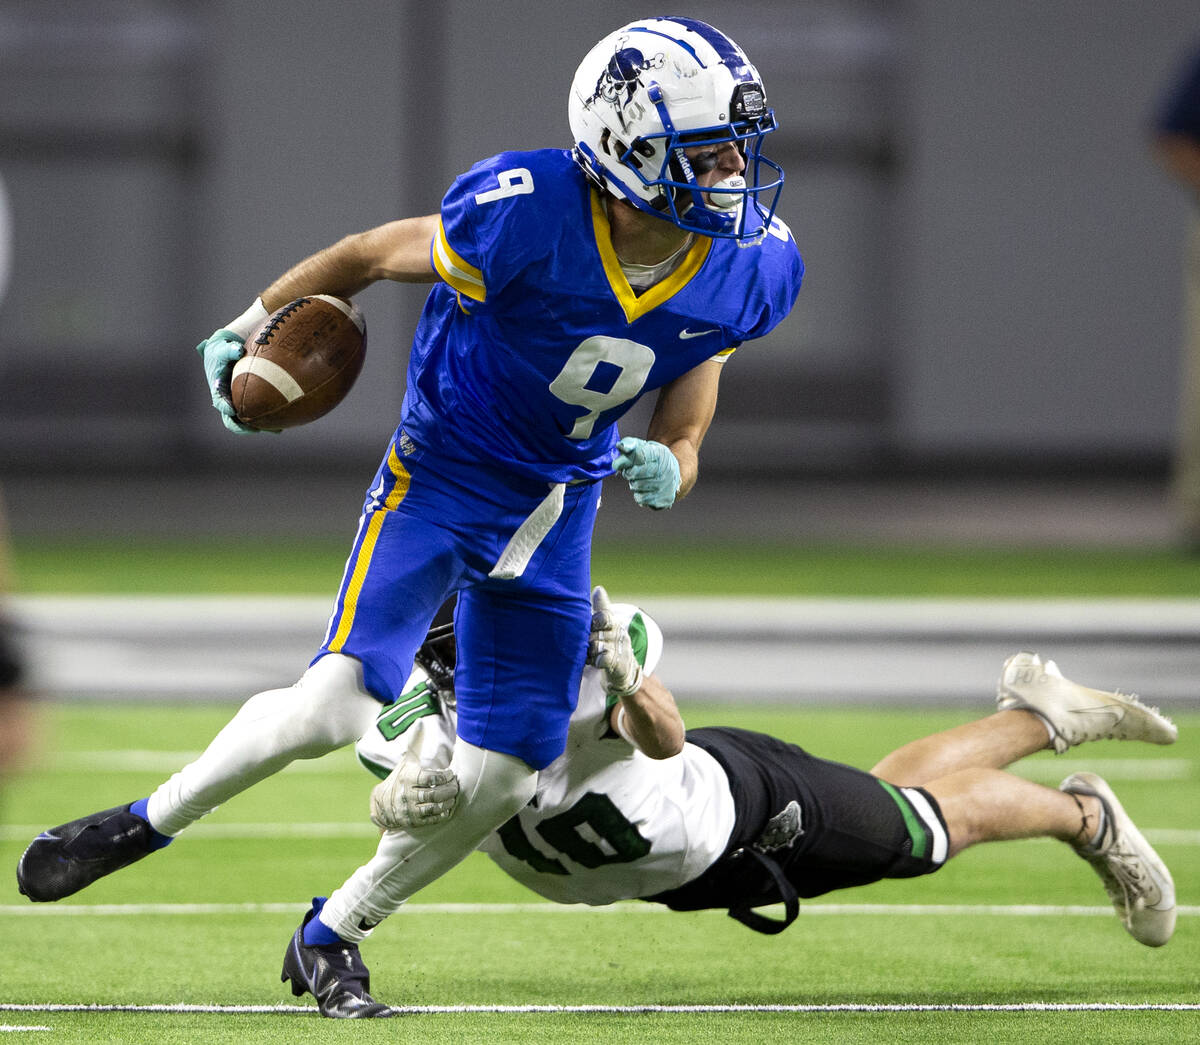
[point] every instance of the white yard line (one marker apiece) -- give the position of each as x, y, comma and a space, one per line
416, 1010
364, 829
1052, 770
536, 907
142, 760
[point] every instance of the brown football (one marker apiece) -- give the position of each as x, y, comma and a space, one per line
300, 363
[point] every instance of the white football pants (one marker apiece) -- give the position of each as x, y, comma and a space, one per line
327, 708
493, 786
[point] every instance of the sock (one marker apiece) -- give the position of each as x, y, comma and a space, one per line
1101, 823
316, 932
138, 809
1093, 842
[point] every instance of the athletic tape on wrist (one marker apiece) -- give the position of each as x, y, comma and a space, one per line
248, 320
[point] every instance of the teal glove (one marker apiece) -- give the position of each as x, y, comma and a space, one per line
219, 352
651, 470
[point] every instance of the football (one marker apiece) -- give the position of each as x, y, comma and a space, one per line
299, 363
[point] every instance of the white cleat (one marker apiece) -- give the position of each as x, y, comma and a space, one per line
1135, 878
1076, 713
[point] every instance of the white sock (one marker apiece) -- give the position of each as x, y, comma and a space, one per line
1101, 823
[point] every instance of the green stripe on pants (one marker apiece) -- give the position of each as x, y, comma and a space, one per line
916, 829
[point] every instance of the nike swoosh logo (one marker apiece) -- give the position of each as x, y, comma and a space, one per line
685, 333
1115, 710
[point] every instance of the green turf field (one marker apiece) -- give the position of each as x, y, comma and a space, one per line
133, 941
662, 567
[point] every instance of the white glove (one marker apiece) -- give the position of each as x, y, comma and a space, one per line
412, 796
610, 648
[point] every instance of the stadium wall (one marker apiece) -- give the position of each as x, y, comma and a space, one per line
993, 258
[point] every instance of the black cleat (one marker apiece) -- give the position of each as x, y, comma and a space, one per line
66, 858
333, 973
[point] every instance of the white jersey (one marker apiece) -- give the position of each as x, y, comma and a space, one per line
606, 823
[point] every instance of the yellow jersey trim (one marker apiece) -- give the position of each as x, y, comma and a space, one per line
459, 273
635, 307
362, 561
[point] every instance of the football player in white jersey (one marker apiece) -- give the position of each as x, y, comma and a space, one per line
639, 808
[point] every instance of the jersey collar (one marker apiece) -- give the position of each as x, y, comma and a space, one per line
634, 306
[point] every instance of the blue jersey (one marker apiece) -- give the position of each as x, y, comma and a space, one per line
535, 345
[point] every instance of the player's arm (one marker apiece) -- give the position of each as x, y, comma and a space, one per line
666, 464
649, 719
645, 713
397, 251
682, 415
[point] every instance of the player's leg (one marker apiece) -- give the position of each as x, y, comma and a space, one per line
327, 708
988, 805
399, 572
516, 684
492, 787
850, 828
993, 742
400, 569
1039, 708
521, 648
323, 957
854, 830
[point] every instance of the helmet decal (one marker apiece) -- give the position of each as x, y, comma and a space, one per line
621, 78
732, 56
647, 94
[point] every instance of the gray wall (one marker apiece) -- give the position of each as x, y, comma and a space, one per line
1039, 265
992, 256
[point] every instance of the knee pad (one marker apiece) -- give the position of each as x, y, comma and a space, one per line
491, 785
328, 707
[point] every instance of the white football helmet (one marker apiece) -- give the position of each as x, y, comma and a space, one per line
644, 633
656, 87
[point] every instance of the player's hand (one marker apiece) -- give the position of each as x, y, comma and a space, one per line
651, 470
610, 648
219, 352
413, 796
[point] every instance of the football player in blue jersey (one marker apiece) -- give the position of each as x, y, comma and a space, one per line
567, 284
